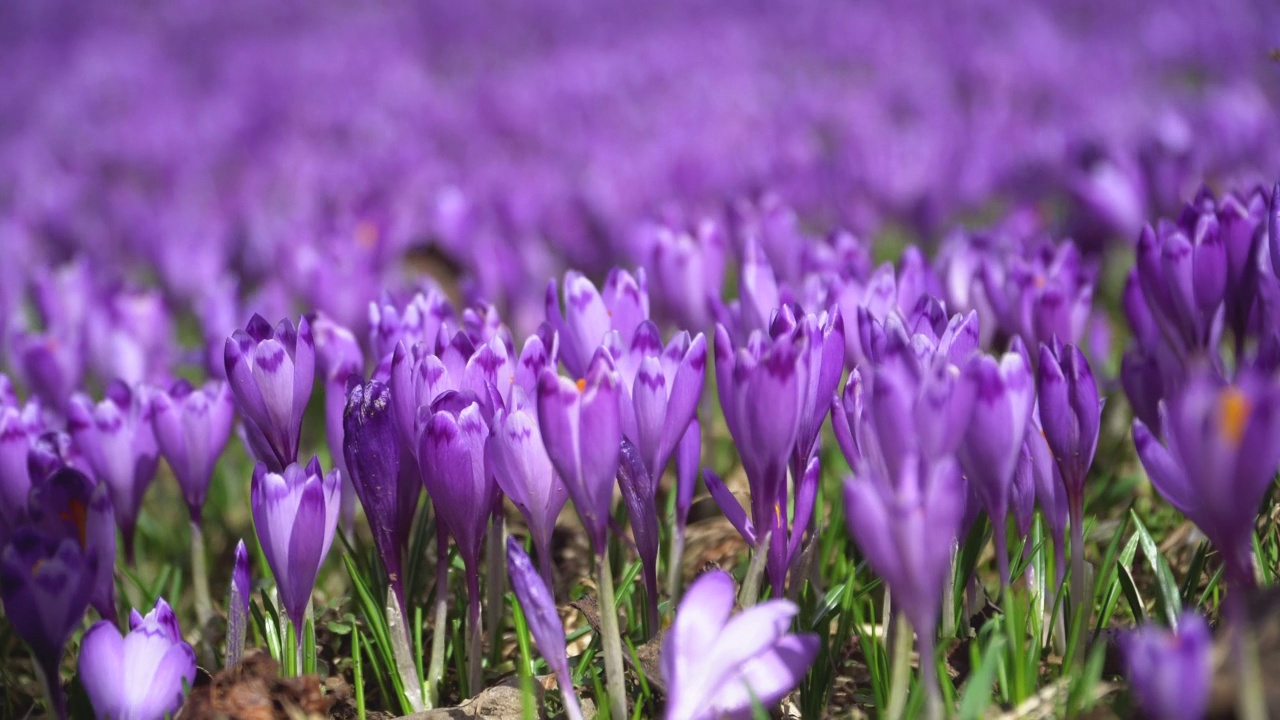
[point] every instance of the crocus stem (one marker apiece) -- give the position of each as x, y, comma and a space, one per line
48, 677
1080, 605
929, 676
750, 593
435, 669
1000, 534
674, 571
900, 665
297, 647
401, 649
948, 599
475, 634
1251, 697
611, 641
200, 575
495, 584
544, 565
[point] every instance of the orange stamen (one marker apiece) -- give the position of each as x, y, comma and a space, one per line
1234, 409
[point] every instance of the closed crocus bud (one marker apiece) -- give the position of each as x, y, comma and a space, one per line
238, 597
1222, 447
417, 377
19, 428
663, 396
296, 515
1004, 393
271, 372
119, 443
143, 675
824, 356
451, 452
582, 432
1171, 670
383, 474
539, 607
717, 665
68, 504
45, 582
1070, 413
192, 427
129, 335
687, 269
519, 462
1273, 229
421, 320
52, 364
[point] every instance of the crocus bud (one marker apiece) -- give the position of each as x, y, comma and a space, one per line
589, 314
663, 393
1273, 228
519, 462
52, 364
383, 474
117, 439
271, 372
45, 582
539, 607
718, 666
582, 432
1004, 394
339, 361
238, 597
296, 515
19, 428
141, 675
417, 378
451, 452
192, 427
1171, 671
1071, 412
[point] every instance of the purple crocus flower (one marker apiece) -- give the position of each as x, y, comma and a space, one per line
1171, 670
19, 428
416, 378
825, 356
687, 270
52, 364
760, 388
340, 361
539, 607
590, 313
68, 504
143, 675
238, 598
717, 666
296, 515
1273, 228
119, 443
1004, 394
422, 319
451, 453
1183, 275
45, 583
192, 427
383, 474
523, 470
906, 528
582, 432
1222, 447
271, 372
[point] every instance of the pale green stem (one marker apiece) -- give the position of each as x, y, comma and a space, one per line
750, 593
435, 671
948, 601
674, 572
929, 677
200, 576
1252, 697
611, 640
475, 635
495, 586
1081, 602
398, 629
900, 664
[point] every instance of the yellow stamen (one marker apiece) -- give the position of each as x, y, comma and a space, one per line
582, 384
777, 511
366, 234
35, 569
1234, 409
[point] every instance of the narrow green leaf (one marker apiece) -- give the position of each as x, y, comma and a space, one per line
977, 692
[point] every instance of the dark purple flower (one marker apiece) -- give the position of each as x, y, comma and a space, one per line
1183, 274
1273, 228
1171, 671
519, 462
638, 495
143, 675
192, 427
119, 443
383, 473
1220, 453
717, 666
67, 504
1004, 393
295, 514
582, 432
45, 582
539, 607
451, 453
271, 372
238, 598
